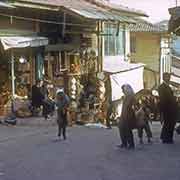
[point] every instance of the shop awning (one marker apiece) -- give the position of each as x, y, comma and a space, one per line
82, 8
22, 42
5, 5
97, 13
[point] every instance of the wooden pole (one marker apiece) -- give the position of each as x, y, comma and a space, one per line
12, 80
64, 25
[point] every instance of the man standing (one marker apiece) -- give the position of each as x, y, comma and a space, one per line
168, 110
36, 96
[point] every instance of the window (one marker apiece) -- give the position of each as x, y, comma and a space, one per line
113, 40
133, 44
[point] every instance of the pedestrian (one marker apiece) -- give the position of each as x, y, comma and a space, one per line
62, 104
168, 110
36, 97
146, 126
127, 118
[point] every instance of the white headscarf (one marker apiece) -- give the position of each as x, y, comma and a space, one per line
60, 91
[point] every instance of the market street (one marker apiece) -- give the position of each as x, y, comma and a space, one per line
33, 153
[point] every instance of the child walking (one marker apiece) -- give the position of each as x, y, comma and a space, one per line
146, 126
62, 104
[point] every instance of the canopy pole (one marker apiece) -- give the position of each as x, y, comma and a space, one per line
12, 79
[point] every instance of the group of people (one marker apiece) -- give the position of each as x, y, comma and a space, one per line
138, 118
133, 116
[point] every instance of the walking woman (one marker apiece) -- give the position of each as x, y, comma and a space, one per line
127, 118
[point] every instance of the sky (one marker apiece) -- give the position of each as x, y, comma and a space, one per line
156, 9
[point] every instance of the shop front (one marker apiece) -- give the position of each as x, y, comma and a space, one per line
18, 56
75, 70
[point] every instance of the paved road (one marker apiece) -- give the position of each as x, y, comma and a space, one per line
32, 153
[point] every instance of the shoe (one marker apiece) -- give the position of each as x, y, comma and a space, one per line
131, 147
149, 141
122, 146
141, 141
168, 142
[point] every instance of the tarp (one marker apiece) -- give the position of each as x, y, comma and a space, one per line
132, 77
116, 64
22, 42
122, 72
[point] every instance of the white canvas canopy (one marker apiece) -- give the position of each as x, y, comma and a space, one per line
133, 77
22, 42
122, 72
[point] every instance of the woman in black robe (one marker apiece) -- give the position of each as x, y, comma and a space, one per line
127, 119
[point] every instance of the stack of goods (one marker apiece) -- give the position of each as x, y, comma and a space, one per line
101, 93
21, 102
73, 88
5, 97
72, 113
22, 108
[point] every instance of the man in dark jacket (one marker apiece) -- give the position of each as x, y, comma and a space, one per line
36, 96
168, 110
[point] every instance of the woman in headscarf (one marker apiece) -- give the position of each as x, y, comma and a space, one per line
127, 118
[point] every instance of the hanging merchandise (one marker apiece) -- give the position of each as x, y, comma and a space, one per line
73, 88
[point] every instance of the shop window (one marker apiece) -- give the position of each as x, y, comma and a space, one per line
114, 41
133, 44
58, 62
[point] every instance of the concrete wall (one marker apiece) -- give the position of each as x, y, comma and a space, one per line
148, 52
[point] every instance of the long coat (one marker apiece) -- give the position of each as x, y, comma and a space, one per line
127, 113
168, 110
168, 105
37, 96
